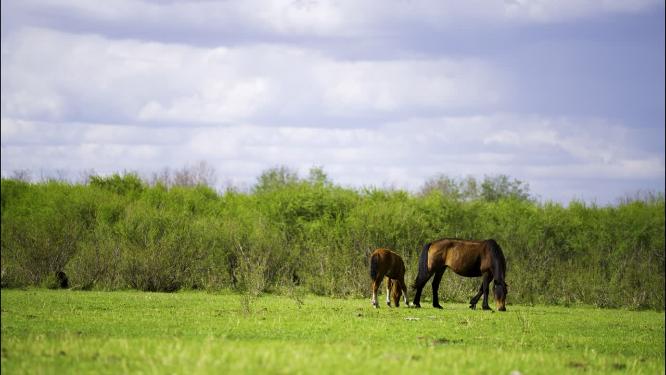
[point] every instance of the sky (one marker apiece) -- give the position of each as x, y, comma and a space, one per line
565, 95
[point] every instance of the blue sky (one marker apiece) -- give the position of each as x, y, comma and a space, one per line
565, 95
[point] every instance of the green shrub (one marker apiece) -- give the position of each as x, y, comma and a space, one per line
290, 235
41, 230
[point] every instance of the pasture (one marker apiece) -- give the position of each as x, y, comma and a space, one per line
64, 331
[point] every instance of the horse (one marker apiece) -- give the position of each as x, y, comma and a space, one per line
63, 281
466, 258
384, 262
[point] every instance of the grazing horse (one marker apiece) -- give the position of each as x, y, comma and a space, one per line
466, 258
384, 262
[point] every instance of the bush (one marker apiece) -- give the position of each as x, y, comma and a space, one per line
96, 262
41, 230
290, 235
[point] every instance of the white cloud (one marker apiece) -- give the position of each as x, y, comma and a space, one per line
139, 81
562, 10
331, 18
407, 84
213, 102
401, 154
117, 87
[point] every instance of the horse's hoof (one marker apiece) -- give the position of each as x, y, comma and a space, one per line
416, 306
473, 307
487, 308
502, 309
437, 306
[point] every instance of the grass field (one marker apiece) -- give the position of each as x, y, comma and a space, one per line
45, 331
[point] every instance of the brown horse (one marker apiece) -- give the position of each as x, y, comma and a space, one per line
384, 262
466, 258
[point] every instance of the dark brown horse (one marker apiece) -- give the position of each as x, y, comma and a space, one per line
384, 262
466, 258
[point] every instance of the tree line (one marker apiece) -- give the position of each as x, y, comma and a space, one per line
290, 233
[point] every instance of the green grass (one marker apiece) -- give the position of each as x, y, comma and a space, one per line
45, 331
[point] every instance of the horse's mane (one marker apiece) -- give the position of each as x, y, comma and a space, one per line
496, 250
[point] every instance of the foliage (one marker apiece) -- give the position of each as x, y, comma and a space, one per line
42, 226
291, 233
201, 174
276, 178
492, 188
123, 185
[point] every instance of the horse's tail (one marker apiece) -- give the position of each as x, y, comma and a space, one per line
396, 291
422, 276
374, 265
498, 260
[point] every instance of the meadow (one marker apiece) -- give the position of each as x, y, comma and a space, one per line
64, 331
172, 276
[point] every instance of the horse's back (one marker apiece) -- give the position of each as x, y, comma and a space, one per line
381, 255
389, 262
465, 257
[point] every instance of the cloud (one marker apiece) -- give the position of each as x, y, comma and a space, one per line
135, 82
401, 154
558, 10
208, 20
386, 95
418, 85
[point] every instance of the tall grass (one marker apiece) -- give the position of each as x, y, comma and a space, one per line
118, 232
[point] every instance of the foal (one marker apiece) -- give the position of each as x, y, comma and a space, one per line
384, 262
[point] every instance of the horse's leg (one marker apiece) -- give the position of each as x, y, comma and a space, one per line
487, 277
388, 291
417, 297
475, 299
435, 289
375, 286
419, 289
404, 290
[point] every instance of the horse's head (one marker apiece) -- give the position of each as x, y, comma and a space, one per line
500, 289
